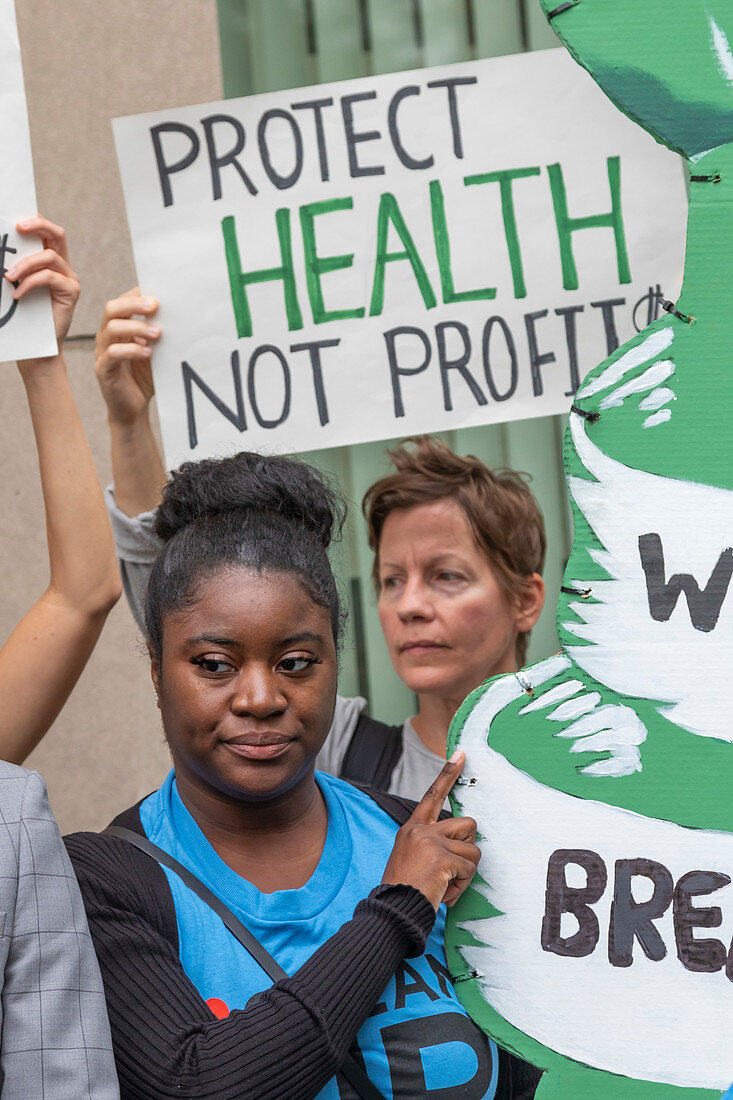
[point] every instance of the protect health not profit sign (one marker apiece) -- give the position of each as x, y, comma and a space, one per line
413, 252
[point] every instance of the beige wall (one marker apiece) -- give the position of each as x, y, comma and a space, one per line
86, 61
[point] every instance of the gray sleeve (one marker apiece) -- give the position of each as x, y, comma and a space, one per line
345, 717
137, 548
56, 1041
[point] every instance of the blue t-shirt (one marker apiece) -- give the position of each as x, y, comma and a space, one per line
418, 1041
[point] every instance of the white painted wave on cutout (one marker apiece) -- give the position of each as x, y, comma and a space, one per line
630, 652
721, 45
644, 352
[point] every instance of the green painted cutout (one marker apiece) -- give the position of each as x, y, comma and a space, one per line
597, 941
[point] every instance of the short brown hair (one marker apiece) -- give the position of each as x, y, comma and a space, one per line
502, 512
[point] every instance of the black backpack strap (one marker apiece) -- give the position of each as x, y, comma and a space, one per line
235, 926
394, 805
372, 753
398, 808
349, 1067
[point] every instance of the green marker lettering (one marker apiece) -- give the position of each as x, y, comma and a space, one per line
390, 214
442, 251
316, 265
566, 225
239, 280
505, 180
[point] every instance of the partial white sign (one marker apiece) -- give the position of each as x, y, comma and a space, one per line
413, 252
583, 985
26, 327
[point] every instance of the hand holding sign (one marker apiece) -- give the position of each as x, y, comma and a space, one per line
49, 268
392, 256
123, 354
439, 858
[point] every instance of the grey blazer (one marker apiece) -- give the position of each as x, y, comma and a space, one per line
54, 1034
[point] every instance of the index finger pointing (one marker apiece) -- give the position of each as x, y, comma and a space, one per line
430, 805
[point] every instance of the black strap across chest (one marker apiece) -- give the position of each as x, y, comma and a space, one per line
372, 753
349, 1067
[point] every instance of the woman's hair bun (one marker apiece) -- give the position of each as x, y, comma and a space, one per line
251, 482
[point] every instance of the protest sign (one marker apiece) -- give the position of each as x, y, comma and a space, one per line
26, 327
596, 940
412, 252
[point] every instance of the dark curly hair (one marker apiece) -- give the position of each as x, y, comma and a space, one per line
267, 513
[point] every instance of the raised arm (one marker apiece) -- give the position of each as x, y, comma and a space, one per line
123, 355
44, 656
123, 368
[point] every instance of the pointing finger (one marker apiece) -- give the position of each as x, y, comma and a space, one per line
429, 807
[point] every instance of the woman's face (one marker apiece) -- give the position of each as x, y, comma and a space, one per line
447, 621
247, 684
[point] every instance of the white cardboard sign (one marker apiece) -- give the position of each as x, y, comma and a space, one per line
26, 327
581, 1007
413, 252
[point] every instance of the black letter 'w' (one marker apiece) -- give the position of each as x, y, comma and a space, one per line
704, 604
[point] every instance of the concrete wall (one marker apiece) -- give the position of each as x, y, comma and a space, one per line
86, 61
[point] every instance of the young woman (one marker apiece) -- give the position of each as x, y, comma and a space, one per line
459, 550
344, 888
59, 632
55, 1040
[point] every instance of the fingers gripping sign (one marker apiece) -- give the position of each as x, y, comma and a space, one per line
49, 268
123, 353
439, 858
123, 356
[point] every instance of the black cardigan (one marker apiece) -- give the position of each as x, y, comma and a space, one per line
289, 1040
